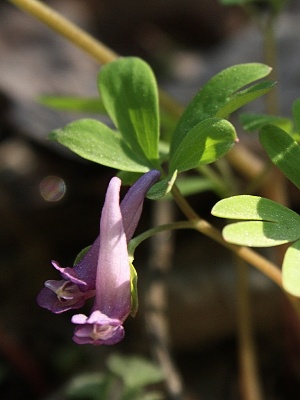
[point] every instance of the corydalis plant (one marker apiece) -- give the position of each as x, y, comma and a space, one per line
104, 271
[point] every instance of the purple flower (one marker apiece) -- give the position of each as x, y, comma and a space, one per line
79, 283
113, 296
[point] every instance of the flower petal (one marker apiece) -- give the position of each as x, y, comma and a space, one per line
83, 273
132, 203
60, 296
97, 329
48, 299
113, 271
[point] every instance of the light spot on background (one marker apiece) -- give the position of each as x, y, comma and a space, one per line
52, 188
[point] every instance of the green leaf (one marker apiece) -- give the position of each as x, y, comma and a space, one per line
153, 395
253, 122
283, 151
259, 233
235, 2
88, 386
129, 91
272, 225
162, 188
163, 149
249, 207
291, 269
133, 290
276, 5
203, 144
239, 99
96, 142
128, 178
135, 372
220, 96
80, 255
77, 104
187, 186
190, 185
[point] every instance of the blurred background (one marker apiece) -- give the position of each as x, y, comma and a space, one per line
50, 199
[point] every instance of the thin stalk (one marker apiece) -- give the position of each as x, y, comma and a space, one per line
250, 382
219, 185
67, 29
83, 40
226, 172
247, 254
260, 180
279, 193
271, 58
265, 266
156, 299
137, 240
201, 225
246, 162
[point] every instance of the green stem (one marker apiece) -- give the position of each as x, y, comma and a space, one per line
83, 40
220, 187
226, 171
156, 304
135, 242
67, 29
250, 382
265, 21
271, 59
201, 225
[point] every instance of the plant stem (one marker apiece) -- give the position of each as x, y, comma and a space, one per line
67, 29
270, 56
83, 40
156, 311
246, 162
201, 225
245, 253
137, 240
250, 383
220, 185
